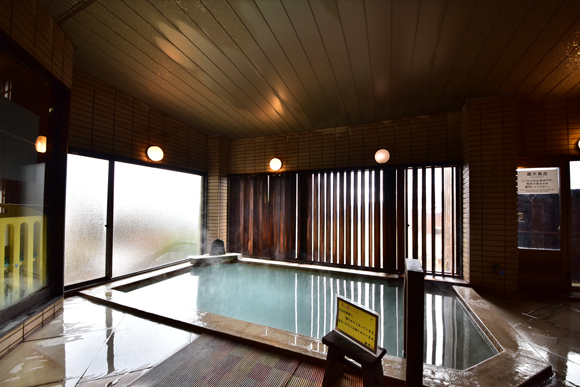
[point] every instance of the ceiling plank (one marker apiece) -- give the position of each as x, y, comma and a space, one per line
304, 24
128, 66
378, 15
200, 49
404, 21
328, 21
508, 22
257, 27
430, 26
528, 31
284, 33
457, 18
354, 25
546, 40
194, 66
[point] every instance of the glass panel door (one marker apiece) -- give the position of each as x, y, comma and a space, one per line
575, 220
85, 219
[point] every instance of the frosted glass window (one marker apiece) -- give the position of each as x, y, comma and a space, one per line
157, 217
85, 219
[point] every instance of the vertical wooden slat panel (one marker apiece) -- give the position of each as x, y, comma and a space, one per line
309, 225
363, 220
453, 223
341, 219
291, 216
390, 214
443, 221
433, 222
234, 211
321, 217
423, 218
315, 216
377, 219
275, 202
303, 216
401, 220
356, 219
335, 186
251, 220
281, 243
348, 219
328, 213
264, 231
256, 218
415, 215
246, 216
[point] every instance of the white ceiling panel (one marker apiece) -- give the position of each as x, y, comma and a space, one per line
250, 68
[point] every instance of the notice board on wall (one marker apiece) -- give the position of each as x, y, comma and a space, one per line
357, 323
538, 181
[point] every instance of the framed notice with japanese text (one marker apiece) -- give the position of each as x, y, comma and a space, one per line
538, 181
357, 323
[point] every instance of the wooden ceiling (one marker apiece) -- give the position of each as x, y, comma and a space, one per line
249, 68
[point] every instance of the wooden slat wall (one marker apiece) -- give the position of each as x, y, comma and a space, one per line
426, 139
262, 215
424, 219
106, 120
342, 233
34, 29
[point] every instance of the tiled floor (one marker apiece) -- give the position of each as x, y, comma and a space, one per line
551, 327
93, 345
90, 345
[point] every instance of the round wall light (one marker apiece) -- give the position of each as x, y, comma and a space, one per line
382, 156
155, 153
275, 164
40, 144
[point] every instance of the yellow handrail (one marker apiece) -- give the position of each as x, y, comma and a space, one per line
23, 240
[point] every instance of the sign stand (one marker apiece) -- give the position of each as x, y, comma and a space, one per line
339, 347
354, 337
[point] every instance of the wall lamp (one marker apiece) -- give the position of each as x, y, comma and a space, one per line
275, 164
382, 156
40, 144
155, 153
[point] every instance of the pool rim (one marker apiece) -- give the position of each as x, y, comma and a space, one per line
514, 365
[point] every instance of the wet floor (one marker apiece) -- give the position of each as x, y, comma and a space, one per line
551, 327
90, 345
93, 345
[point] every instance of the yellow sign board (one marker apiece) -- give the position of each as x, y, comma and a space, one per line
358, 323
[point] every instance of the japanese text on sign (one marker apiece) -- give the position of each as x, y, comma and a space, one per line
538, 181
357, 323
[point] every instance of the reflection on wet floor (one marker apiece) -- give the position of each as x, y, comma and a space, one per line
551, 327
93, 345
90, 345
